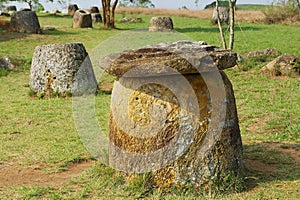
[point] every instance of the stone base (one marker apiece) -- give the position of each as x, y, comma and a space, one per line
172, 130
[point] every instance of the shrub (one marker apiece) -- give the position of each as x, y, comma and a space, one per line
282, 12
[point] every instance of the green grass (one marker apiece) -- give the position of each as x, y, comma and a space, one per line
251, 7
41, 132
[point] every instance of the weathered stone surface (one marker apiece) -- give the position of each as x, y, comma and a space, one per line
282, 65
96, 17
72, 8
186, 122
25, 9
55, 66
223, 13
5, 63
163, 24
94, 9
25, 22
171, 55
264, 52
82, 19
10, 8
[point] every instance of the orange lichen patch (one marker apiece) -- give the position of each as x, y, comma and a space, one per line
164, 177
143, 99
4, 24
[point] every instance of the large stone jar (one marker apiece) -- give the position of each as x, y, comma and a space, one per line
25, 22
173, 114
61, 68
82, 19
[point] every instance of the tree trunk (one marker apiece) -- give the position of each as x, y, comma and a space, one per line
113, 13
109, 13
298, 4
232, 11
30, 5
104, 11
220, 26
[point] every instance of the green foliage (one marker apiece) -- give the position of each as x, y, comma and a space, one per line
223, 3
38, 7
137, 3
3, 72
281, 11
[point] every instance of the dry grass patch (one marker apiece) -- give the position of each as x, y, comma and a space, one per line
241, 15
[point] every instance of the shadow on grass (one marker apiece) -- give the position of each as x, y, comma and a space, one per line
6, 35
268, 162
215, 29
58, 32
55, 15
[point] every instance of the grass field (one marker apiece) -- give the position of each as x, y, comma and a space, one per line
43, 157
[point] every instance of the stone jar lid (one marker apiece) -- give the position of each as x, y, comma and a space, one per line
163, 59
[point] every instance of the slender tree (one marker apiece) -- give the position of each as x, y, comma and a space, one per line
220, 26
232, 4
232, 19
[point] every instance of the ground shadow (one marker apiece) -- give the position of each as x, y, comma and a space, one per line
58, 32
214, 29
7, 35
268, 162
55, 15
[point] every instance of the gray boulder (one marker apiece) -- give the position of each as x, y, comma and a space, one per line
223, 13
62, 68
161, 24
282, 65
82, 19
5, 63
25, 22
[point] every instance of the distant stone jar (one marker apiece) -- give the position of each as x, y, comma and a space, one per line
173, 114
25, 22
82, 19
96, 17
72, 8
161, 24
94, 9
61, 68
10, 8
223, 13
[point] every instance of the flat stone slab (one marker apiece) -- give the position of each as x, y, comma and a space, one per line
181, 56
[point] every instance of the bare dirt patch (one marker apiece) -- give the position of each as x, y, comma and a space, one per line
11, 175
292, 150
256, 165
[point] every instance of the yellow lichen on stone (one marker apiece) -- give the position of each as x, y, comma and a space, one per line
142, 101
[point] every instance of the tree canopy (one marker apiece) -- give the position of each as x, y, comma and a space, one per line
31, 3
137, 3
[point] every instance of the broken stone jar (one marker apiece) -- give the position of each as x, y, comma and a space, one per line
173, 114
